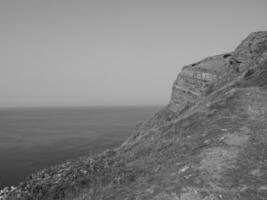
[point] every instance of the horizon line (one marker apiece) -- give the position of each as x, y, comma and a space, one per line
74, 106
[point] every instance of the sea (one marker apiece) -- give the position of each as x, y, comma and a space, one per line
35, 138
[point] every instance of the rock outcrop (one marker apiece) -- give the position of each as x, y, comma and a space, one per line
198, 80
208, 143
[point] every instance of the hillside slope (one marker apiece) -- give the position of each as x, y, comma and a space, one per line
208, 143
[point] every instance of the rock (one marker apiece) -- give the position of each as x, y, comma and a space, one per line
208, 143
197, 80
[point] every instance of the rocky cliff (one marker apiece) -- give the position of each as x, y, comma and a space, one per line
208, 143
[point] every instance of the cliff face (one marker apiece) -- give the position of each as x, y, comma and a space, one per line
208, 143
198, 80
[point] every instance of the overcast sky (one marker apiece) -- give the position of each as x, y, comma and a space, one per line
128, 52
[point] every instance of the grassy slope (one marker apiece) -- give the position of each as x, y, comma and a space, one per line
216, 152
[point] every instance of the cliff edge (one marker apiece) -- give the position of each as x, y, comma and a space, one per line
208, 143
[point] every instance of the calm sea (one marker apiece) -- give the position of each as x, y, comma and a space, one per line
31, 139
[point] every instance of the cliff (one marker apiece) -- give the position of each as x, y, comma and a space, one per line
208, 143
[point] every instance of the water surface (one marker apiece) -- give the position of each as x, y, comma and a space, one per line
31, 139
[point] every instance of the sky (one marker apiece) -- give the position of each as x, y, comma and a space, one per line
111, 52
